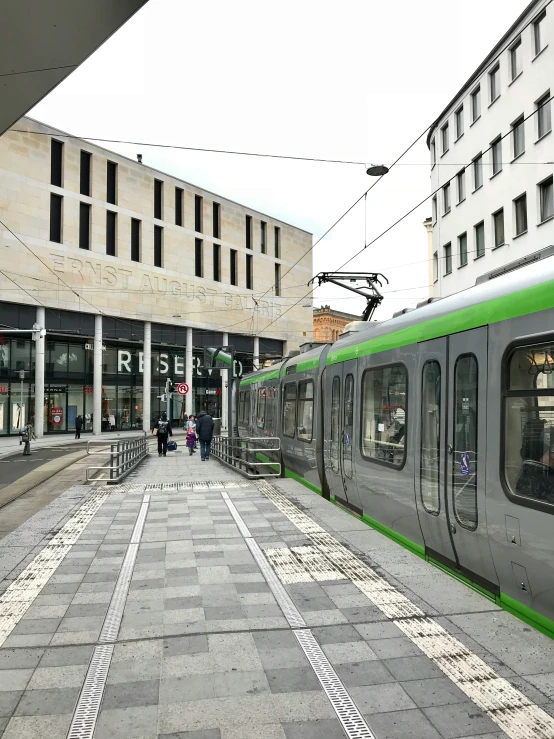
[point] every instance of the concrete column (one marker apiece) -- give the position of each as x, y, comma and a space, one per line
188, 372
146, 376
224, 388
97, 377
39, 375
256, 353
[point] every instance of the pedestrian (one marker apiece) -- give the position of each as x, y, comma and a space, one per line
78, 426
205, 431
191, 441
111, 422
162, 429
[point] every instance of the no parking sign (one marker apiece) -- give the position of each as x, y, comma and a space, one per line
182, 388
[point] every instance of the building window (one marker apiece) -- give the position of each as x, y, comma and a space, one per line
544, 120
249, 276
248, 232
538, 32
216, 221
277, 280
546, 200
84, 226
518, 137
478, 172
494, 83
86, 158
447, 250
515, 59
446, 198
158, 246
433, 153
198, 214
459, 117
384, 401
496, 156
462, 249
56, 218
179, 195
444, 138
520, 208
435, 266
434, 207
111, 182
111, 230
461, 179
479, 239
217, 262
277, 242
233, 255
198, 260
263, 236
498, 227
135, 240
475, 104
56, 163
158, 196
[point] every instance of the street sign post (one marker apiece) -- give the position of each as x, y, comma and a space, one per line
183, 388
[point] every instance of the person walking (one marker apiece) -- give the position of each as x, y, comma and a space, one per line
78, 426
162, 429
204, 431
191, 441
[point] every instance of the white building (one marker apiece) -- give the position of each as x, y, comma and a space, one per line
492, 154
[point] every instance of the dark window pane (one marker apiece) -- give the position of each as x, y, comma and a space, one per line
233, 265
277, 280
263, 236
178, 206
158, 246
289, 410
111, 225
158, 194
464, 476
430, 437
216, 221
277, 242
56, 218
305, 410
56, 156
335, 423
198, 266
248, 232
384, 414
217, 262
198, 213
84, 226
348, 421
111, 183
85, 172
249, 276
135, 240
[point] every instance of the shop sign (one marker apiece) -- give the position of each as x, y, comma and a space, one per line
58, 389
90, 347
213, 391
56, 416
3, 388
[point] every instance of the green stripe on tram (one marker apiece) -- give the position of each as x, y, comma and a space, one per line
307, 364
260, 377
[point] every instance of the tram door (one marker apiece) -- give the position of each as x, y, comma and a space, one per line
342, 432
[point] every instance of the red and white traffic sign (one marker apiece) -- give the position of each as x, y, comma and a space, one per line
182, 388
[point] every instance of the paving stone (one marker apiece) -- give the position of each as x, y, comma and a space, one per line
129, 722
318, 729
62, 656
412, 668
48, 702
395, 647
187, 688
363, 673
437, 691
410, 724
185, 645
251, 682
336, 634
344, 652
126, 695
207, 734
292, 679
8, 701
459, 720
33, 727
19, 658
37, 626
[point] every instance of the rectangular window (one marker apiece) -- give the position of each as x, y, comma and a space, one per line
479, 239
446, 199
249, 276
544, 119
518, 137
260, 408
277, 242
546, 200
248, 232
461, 179
520, 208
305, 410
111, 182
434, 208
444, 138
289, 410
384, 401
179, 195
158, 246
84, 183
478, 172
158, 196
84, 226
515, 59
464, 486
198, 214
263, 236
135, 240
462, 249
435, 266
447, 254
538, 32
56, 163
475, 104
498, 227
111, 231
335, 424
56, 218
198, 258
494, 83
233, 259
496, 156
433, 153
216, 221
277, 280
217, 262
459, 116
430, 437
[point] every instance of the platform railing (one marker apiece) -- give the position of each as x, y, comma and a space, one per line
125, 455
247, 456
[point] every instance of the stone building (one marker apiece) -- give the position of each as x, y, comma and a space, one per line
330, 323
132, 272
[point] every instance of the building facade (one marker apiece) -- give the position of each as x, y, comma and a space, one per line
132, 272
492, 155
329, 324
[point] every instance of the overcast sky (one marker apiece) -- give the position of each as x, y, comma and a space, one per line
356, 81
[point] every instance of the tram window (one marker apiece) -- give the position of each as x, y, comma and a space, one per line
529, 424
335, 423
260, 416
289, 410
241, 406
384, 400
464, 456
270, 401
348, 425
305, 413
430, 437
247, 407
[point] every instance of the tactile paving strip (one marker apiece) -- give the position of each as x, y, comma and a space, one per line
183, 485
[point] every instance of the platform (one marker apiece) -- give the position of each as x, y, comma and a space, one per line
192, 603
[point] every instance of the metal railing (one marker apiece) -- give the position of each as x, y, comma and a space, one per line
125, 455
247, 456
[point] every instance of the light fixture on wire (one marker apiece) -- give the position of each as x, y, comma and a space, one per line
376, 170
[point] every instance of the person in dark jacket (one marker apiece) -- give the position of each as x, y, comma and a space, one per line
204, 431
78, 426
163, 431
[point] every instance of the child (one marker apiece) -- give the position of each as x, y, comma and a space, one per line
191, 441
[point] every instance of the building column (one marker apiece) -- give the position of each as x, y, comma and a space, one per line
188, 372
147, 376
97, 377
224, 389
39, 374
256, 353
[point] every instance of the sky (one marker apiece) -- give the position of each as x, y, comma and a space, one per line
357, 81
